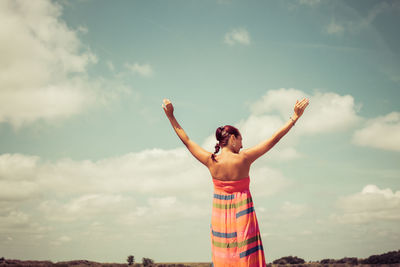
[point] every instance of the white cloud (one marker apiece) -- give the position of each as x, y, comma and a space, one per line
380, 7
372, 204
171, 207
82, 30
17, 222
334, 28
64, 238
165, 210
67, 190
306, 232
17, 166
237, 36
293, 5
85, 207
61, 240
110, 66
14, 219
133, 172
153, 190
92, 202
358, 22
43, 69
27, 105
17, 177
163, 202
224, 2
382, 132
143, 70
330, 112
18, 190
291, 210
327, 112
309, 2
266, 181
392, 72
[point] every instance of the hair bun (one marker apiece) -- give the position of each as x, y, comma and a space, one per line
218, 133
222, 134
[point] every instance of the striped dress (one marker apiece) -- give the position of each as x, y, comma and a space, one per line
235, 235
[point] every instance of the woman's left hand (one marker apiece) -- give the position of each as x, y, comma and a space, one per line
168, 107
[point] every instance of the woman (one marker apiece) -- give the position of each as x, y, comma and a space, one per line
235, 234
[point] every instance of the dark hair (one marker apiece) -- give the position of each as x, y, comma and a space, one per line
222, 134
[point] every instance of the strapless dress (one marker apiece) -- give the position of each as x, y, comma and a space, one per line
235, 235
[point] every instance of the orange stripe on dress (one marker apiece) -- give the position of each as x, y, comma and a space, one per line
232, 186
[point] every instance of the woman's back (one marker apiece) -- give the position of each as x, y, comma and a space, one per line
229, 167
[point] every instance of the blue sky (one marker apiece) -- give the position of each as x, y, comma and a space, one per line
90, 167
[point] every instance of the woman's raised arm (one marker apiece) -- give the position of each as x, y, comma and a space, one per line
253, 153
198, 152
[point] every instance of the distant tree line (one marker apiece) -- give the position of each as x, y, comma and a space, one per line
147, 262
392, 257
346, 260
386, 258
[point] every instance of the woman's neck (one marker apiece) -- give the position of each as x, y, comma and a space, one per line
226, 149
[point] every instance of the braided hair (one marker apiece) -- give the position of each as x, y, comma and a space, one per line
222, 134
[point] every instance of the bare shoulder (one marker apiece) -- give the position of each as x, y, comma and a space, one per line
245, 155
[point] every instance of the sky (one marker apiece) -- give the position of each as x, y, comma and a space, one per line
90, 167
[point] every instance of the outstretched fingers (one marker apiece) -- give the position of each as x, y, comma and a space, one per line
303, 103
166, 101
168, 107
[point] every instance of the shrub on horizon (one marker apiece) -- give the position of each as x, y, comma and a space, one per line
147, 262
350, 261
289, 260
130, 259
327, 261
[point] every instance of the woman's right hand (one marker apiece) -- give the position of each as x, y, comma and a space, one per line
168, 107
299, 107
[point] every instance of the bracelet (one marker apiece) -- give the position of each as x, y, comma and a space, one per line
293, 121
